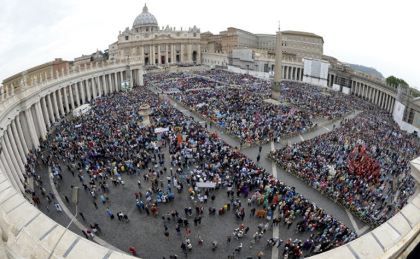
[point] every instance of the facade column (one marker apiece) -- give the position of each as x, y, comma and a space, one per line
131, 78
173, 55
198, 53
141, 79
142, 60
167, 54
11, 145
189, 53
159, 54
150, 55
45, 111
50, 108
19, 141
181, 58
21, 135
32, 130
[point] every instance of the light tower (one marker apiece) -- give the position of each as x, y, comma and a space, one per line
275, 88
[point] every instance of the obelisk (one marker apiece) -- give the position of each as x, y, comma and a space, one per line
275, 88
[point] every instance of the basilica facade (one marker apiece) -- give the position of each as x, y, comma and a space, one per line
151, 45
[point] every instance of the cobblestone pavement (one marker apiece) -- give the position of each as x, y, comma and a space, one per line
146, 233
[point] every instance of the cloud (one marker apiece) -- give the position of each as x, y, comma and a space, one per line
378, 33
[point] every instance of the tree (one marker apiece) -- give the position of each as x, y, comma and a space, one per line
395, 81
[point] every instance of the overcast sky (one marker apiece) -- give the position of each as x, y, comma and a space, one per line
383, 34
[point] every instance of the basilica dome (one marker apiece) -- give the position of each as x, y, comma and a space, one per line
145, 19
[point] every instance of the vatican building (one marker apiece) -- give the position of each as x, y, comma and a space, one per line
155, 45
182, 143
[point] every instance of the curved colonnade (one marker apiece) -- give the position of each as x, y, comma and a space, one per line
25, 116
371, 90
27, 113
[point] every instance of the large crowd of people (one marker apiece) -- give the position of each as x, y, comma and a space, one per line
319, 101
110, 141
363, 165
178, 82
247, 115
243, 81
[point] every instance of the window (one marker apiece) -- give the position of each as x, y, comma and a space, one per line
126, 37
411, 116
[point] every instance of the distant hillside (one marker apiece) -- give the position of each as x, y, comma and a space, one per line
367, 70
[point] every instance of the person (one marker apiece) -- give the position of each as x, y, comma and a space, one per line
132, 250
213, 245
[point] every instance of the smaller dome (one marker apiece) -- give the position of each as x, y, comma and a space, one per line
145, 19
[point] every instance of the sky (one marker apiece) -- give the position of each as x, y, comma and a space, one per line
383, 34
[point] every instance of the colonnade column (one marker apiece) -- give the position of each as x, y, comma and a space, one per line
21, 136
381, 100
11, 161
76, 87
40, 120
50, 108
83, 90
14, 178
45, 111
115, 82
89, 89
71, 96
19, 141
11, 145
55, 103
60, 102
100, 86
110, 83
104, 87
32, 130
94, 84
